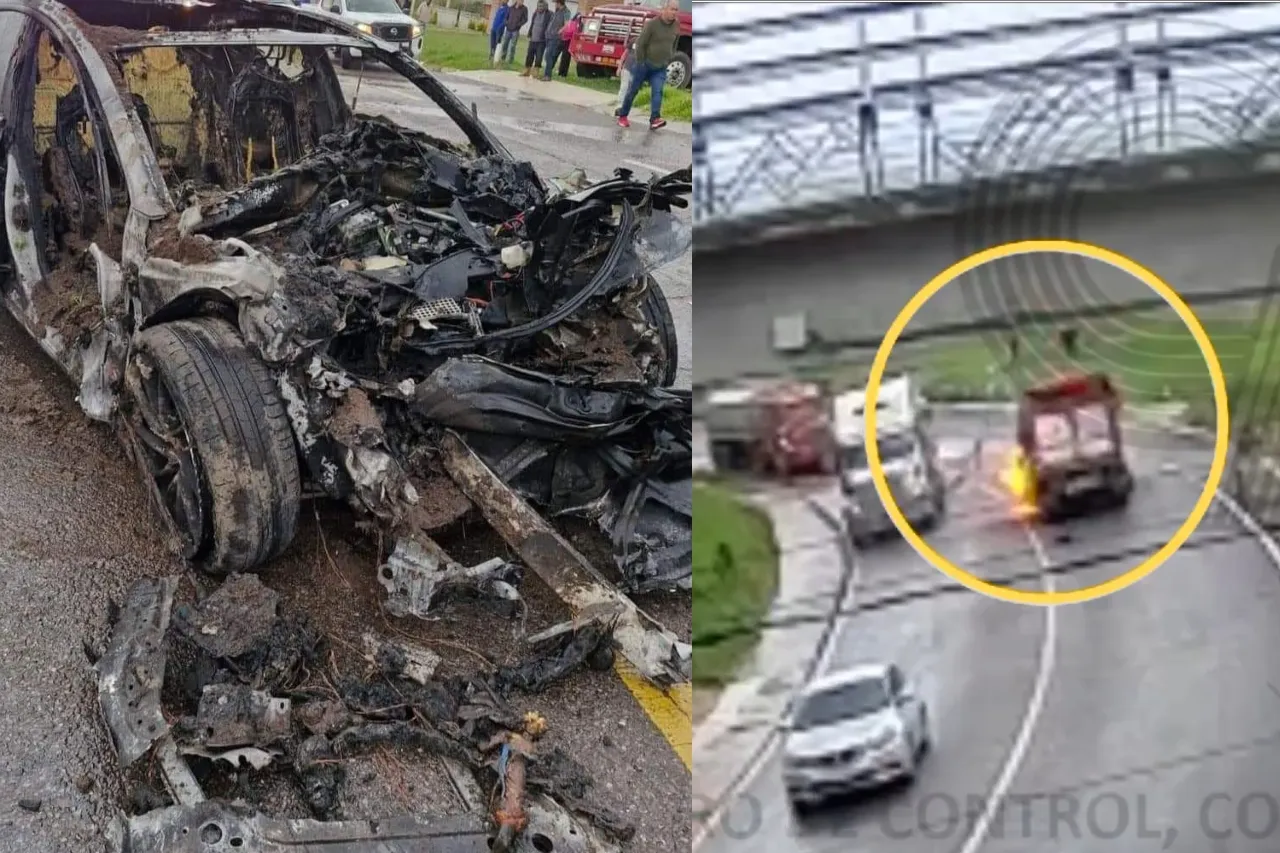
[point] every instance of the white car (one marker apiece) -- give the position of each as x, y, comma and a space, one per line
383, 19
855, 729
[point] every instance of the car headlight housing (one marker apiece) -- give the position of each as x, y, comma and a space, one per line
365, 28
415, 30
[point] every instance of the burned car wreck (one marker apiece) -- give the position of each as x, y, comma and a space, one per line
274, 297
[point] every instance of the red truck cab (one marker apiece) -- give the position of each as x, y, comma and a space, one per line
607, 30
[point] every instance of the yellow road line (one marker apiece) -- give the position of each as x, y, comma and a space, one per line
671, 710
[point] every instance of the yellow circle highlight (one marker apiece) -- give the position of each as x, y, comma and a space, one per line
1221, 440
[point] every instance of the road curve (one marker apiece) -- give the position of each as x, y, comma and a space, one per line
1149, 720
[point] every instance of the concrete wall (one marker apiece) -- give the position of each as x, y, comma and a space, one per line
1197, 238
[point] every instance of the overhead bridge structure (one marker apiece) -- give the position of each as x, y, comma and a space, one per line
847, 153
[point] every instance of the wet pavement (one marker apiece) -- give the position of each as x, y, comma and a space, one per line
76, 530
1138, 722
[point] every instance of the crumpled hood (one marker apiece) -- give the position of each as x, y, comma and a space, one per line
844, 735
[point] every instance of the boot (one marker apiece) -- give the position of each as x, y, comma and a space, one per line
525, 73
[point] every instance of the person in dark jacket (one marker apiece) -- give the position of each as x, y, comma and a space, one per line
555, 36
498, 27
517, 17
654, 50
537, 39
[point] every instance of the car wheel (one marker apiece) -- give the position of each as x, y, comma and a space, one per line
657, 312
680, 71
800, 809
208, 428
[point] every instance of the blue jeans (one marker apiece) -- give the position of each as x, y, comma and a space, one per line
510, 40
554, 46
495, 36
656, 77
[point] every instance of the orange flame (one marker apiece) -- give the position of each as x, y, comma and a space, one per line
1017, 477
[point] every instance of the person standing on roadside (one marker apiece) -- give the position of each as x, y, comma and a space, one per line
497, 28
654, 49
537, 39
517, 17
574, 27
626, 69
555, 37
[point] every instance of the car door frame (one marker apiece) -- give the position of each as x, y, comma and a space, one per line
114, 124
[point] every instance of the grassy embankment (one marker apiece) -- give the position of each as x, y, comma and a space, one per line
1153, 356
735, 574
466, 50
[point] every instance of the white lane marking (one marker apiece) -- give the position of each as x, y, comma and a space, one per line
752, 772
1022, 742
1251, 526
657, 170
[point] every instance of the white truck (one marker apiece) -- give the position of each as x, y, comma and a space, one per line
907, 452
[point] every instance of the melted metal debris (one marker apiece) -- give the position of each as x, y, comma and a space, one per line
211, 826
418, 574
131, 673
403, 704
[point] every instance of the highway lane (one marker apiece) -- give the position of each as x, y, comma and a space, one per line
1162, 714
1174, 670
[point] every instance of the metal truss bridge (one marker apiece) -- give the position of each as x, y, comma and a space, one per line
847, 107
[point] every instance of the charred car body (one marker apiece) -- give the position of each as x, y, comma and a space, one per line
270, 296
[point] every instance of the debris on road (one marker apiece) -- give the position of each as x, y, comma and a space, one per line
419, 573
412, 662
651, 649
239, 729
131, 672
209, 825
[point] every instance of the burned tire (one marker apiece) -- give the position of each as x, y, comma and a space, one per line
208, 411
657, 312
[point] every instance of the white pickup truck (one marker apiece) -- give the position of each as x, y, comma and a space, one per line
907, 453
382, 19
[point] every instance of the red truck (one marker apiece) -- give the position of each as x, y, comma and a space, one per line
607, 30
795, 433
770, 426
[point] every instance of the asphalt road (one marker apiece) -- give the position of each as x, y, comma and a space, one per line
1148, 720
